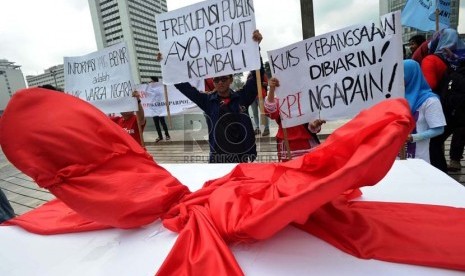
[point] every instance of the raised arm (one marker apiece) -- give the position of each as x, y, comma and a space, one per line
273, 83
140, 111
193, 94
271, 103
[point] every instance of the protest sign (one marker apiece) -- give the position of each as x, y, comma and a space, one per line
154, 103
207, 39
102, 78
335, 75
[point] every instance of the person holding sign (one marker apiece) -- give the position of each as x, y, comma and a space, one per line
301, 138
231, 136
426, 110
133, 124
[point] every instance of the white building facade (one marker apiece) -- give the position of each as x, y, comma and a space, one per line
11, 80
132, 21
53, 76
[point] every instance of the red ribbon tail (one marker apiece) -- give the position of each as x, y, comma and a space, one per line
417, 234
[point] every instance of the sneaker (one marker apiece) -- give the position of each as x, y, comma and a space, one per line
454, 166
158, 140
168, 138
257, 131
266, 132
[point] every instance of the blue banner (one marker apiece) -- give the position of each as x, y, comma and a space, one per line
421, 14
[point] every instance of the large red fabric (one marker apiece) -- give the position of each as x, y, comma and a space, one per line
85, 160
396, 232
109, 180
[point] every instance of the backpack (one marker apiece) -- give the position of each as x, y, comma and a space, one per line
451, 90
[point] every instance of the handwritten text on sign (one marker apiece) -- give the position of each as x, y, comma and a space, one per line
336, 75
102, 78
207, 39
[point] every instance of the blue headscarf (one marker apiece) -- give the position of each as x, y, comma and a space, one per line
448, 44
417, 89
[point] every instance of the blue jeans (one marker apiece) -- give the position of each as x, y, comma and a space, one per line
256, 115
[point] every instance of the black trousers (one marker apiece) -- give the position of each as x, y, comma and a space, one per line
457, 144
436, 149
157, 120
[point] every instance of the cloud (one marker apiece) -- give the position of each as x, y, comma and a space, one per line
332, 16
39, 36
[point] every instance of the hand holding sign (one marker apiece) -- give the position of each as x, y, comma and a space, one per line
136, 95
273, 83
257, 36
315, 126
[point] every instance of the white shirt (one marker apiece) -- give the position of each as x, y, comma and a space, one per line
430, 115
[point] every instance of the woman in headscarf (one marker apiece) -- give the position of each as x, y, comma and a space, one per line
448, 50
426, 109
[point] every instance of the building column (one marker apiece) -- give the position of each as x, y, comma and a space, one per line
308, 22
